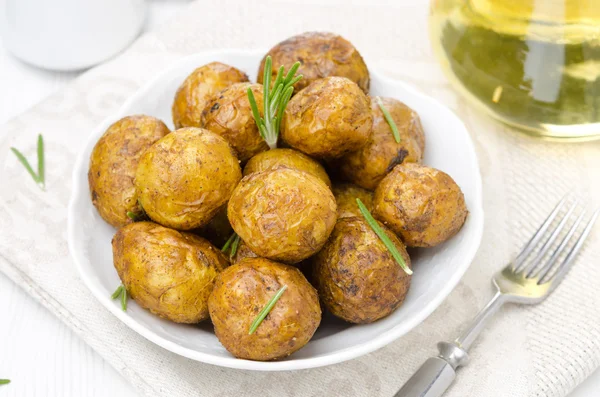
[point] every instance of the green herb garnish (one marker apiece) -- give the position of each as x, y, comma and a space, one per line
383, 237
4, 381
122, 293
274, 101
40, 177
233, 241
137, 216
263, 313
390, 120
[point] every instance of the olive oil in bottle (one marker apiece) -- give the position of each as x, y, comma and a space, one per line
533, 64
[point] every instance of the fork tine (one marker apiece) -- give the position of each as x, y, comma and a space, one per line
548, 266
520, 259
550, 240
567, 262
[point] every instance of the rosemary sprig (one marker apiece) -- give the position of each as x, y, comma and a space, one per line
4, 381
121, 292
266, 310
274, 100
138, 216
40, 177
390, 120
233, 241
383, 237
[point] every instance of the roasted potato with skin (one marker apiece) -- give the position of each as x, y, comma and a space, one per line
329, 118
113, 163
186, 177
243, 290
282, 213
288, 157
424, 206
229, 114
345, 197
358, 279
367, 166
168, 272
198, 89
320, 54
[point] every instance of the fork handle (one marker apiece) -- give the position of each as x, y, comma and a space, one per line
436, 374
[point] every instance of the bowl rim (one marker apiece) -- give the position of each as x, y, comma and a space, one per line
79, 193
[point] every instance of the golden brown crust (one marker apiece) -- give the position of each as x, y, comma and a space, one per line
320, 54
113, 164
329, 118
186, 177
229, 114
243, 290
288, 157
424, 206
168, 272
282, 213
367, 166
198, 88
357, 278
345, 197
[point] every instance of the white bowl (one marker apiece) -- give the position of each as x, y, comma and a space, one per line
436, 270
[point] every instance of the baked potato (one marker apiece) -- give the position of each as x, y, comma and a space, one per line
357, 278
229, 114
218, 229
168, 272
320, 54
288, 157
282, 213
345, 197
186, 177
367, 166
198, 88
424, 206
243, 290
113, 163
327, 119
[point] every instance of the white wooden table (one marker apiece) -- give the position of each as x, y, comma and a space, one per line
40, 354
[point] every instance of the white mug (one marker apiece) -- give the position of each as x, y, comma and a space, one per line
69, 34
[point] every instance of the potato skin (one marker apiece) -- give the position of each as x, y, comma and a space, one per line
114, 161
229, 114
329, 118
367, 166
282, 213
243, 290
198, 88
288, 157
424, 206
168, 272
320, 54
186, 177
345, 197
357, 278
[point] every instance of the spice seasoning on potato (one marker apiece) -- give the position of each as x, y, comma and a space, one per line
321, 54
357, 277
229, 115
345, 197
198, 88
282, 213
423, 205
288, 157
186, 177
168, 272
367, 166
242, 291
329, 118
113, 164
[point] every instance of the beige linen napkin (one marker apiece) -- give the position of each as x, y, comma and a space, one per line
535, 351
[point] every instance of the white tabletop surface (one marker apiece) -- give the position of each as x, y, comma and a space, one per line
34, 345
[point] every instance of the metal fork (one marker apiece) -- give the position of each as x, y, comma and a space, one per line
528, 279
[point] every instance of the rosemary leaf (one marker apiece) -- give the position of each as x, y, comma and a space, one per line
41, 162
124, 300
383, 237
234, 246
266, 310
4, 381
228, 242
390, 121
117, 292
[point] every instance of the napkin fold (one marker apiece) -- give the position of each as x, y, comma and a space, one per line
545, 350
